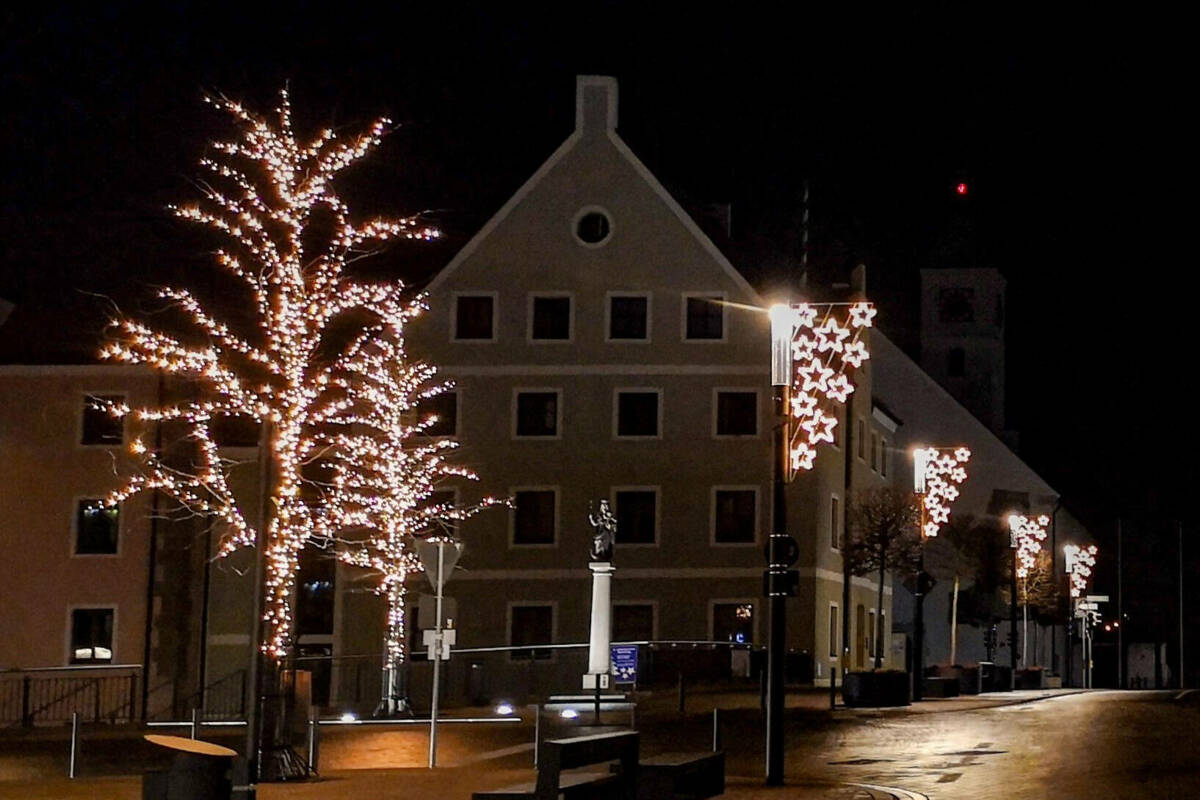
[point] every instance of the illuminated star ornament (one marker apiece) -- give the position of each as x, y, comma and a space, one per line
939, 471
1027, 535
1079, 561
826, 347
288, 239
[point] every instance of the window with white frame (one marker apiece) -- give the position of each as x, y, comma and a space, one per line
633, 622
638, 412
735, 516
550, 318
834, 624
537, 413
883, 456
874, 452
704, 318
474, 317
531, 624
628, 317
637, 516
534, 516
871, 633
92, 635
97, 528
835, 523
737, 413
99, 426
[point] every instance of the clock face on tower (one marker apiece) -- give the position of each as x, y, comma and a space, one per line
956, 305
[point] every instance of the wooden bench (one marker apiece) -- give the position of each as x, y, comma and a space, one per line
559, 755
682, 775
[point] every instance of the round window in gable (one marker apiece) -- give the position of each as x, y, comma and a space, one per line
593, 227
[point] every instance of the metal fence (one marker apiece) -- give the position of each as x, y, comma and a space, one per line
50, 696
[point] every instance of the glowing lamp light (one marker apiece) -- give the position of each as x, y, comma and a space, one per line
960, 189
504, 710
349, 717
569, 713
1079, 563
936, 475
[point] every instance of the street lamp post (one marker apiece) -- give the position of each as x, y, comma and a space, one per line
937, 472
1026, 535
1079, 562
810, 369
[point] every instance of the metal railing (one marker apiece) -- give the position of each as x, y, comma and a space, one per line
51, 695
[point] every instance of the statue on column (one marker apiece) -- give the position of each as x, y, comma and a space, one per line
604, 533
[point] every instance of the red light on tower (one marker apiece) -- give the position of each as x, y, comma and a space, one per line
960, 189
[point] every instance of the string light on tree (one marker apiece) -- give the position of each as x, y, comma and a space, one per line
939, 471
289, 239
824, 355
387, 467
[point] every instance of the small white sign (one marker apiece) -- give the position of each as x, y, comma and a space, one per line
1097, 598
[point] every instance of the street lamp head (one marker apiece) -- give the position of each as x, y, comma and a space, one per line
782, 320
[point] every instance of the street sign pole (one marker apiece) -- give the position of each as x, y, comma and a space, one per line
437, 661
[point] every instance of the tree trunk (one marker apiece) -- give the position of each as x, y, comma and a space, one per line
879, 612
954, 625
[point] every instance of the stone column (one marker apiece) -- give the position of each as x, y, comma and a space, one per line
599, 655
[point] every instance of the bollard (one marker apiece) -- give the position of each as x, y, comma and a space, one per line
195, 723
681, 695
74, 744
633, 716
832, 688
716, 744
314, 741
537, 731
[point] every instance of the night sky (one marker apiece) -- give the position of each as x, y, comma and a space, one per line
1063, 126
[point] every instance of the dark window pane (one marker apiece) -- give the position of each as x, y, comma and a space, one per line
735, 515
956, 305
91, 635
635, 517
96, 528
417, 651
531, 625
473, 317
705, 318
99, 426
737, 414
956, 362
633, 623
835, 523
235, 431
537, 414
533, 517
833, 631
874, 452
637, 414
593, 227
551, 318
627, 318
444, 406
733, 622
314, 592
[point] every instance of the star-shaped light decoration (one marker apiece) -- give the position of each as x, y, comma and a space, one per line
1080, 561
826, 346
940, 470
1028, 533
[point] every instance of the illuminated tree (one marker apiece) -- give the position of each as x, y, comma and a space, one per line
289, 239
884, 533
386, 468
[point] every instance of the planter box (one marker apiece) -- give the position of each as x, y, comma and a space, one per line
1030, 679
970, 680
876, 689
1053, 681
994, 678
941, 687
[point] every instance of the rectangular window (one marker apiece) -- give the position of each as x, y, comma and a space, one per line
733, 622
314, 592
628, 318
834, 621
637, 512
475, 317
705, 317
92, 635
637, 413
871, 634
737, 413
444, 407
235, 431
883, 457
633, 622
550, 319
97, 528
835, 522
531, 625
881, 637
874, 452
534, 516
537, 413
860, 433
100, 426
734, 516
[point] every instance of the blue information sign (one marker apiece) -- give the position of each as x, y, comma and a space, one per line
624, 663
